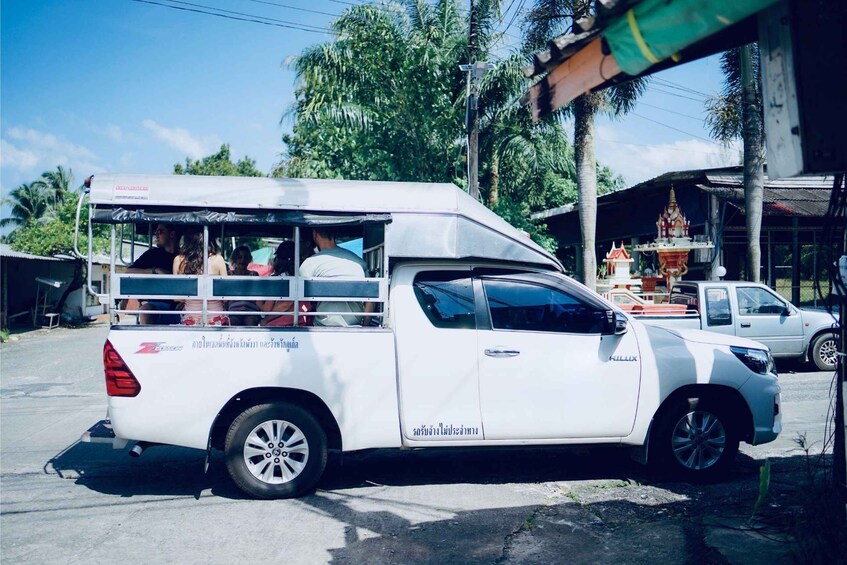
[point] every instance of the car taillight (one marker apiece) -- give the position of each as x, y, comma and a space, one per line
119, 379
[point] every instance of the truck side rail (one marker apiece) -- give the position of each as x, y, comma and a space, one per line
231, 289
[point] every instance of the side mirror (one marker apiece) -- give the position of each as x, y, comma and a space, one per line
615, 324
620, 325
786, 311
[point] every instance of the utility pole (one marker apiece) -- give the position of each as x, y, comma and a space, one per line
475, 72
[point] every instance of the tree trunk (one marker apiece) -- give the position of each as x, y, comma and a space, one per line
494, 188
754, 157
585, 108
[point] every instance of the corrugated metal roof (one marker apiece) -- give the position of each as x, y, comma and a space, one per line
7, 251
803, 202
733, 178
796, 196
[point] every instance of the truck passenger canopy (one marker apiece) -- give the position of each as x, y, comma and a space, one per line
378, 221
427, 220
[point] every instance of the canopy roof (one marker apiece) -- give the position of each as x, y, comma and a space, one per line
424, 220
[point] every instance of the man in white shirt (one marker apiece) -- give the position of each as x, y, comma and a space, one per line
334, 262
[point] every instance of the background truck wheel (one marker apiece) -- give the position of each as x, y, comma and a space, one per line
823, 352
694, 440
275, 450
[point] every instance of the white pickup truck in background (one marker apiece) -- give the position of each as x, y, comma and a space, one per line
754, 311
480, 340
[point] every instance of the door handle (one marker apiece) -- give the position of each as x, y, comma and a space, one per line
745, 324
502, 352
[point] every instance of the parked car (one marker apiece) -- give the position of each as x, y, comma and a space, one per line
754, 311
477, 338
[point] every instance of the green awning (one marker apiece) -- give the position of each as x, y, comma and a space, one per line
654, 30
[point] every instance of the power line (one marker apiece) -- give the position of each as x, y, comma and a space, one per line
670, 111
295, 8
183, 2
664, 147
673, 128
701, 100
248, 17
668, 84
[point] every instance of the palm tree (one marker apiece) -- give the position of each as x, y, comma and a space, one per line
510, 141
56, 184
384, 99
28, 204
550, 18
738, 112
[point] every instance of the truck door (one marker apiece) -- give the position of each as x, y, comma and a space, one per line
435, 328
716, 310
546, 370
766, 318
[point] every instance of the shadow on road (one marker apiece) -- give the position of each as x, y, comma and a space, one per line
602, 507
173, 471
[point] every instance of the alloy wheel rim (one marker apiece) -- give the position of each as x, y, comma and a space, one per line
828, 352
698, 440
276, 452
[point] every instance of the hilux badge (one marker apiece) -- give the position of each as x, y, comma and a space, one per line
623, 358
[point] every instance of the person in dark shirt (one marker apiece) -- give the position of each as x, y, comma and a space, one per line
158, 260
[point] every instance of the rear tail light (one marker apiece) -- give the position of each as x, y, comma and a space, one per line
119, 379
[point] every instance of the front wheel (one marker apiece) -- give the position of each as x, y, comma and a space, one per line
825, 352
275, 450
694, 440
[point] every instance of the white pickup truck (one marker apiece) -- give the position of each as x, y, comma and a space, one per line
477, 339
754, 311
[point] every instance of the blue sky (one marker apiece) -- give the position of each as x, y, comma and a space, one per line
127, 86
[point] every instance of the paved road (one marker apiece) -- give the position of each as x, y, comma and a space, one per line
69, 502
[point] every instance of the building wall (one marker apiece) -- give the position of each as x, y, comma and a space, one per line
19, 287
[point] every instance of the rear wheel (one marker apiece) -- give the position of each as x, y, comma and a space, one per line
694, 440
275, 450
825, 352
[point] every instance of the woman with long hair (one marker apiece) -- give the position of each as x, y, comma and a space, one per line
190, 262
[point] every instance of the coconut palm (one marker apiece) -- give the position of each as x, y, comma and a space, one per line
56, 184
385, 99
737, 112
28, 203
547, 19
526, 152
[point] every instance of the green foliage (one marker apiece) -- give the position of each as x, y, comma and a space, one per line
608, 181
764, 486
723, 117
384, 100
56, 233
219, 164
28, 204
518, 214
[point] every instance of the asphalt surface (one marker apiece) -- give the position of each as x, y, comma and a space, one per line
70, 502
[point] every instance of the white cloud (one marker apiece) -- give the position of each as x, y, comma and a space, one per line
640, 162
14, 158
127, 161
111, 131
32, 151
182, 140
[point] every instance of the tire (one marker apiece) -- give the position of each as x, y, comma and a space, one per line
824, 351
694, 440
275, 450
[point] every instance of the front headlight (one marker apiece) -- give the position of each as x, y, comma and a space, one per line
757, 360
